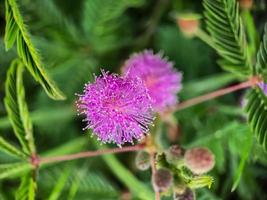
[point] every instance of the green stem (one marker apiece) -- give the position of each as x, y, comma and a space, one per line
205, 38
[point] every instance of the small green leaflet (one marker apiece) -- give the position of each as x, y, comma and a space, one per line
14, 169
16, 31
17, 108
10, 149
27, 188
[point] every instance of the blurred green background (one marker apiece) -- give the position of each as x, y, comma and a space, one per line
75, 40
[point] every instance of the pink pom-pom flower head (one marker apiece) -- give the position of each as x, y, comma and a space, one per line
161, 79
117, 109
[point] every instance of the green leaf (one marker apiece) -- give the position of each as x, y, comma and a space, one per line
58, 188
256, 109
10, 149
17, 108
247, 145
14, 169
126, 177
73, 189
27, 188
81, 182
26, 50
207, 84
11, 29
104, 24
257, 102
45, 116
226, 29
261, 63
73, 146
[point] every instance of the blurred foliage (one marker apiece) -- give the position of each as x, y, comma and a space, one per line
77, 38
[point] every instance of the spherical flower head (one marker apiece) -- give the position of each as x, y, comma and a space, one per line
188, 194
117, 109
162, 179
142, 160
199, 160
263, 87
161, 79
174, 154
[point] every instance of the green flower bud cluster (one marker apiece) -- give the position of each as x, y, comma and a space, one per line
180, 172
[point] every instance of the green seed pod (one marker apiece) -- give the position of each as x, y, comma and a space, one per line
199, 160
188, 194
142, 160
174, 155
162, 179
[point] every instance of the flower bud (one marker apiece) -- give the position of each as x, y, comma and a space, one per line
188, 194
188, 24
246, 4
142, 160
174, 154
162, 179
199, 160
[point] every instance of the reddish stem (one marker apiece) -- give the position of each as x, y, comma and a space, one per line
90, 154
194, 101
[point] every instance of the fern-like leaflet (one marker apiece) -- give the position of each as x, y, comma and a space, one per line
256, 107
17, 108
27, 188
14, 169
17, 31
10, 149
226, 29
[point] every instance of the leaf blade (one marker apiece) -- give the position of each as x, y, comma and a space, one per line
14, 169
27, 188
226, 29
12, 104
26, 50
10, 149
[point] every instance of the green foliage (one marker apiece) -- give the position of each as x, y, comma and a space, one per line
261, 63
10, 149
16, 29
102, 19
138, 188
226, 29
256, 107
57, 189
17, 108
79, 183
247, 146
207, 84
27, 188
257, 115
14, 169
11, 28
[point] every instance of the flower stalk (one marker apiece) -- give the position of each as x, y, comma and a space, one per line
88, 154
200, 99
153, 169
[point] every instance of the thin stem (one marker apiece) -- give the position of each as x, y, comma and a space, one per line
205, 38
153, 169
191, 102
90, 154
